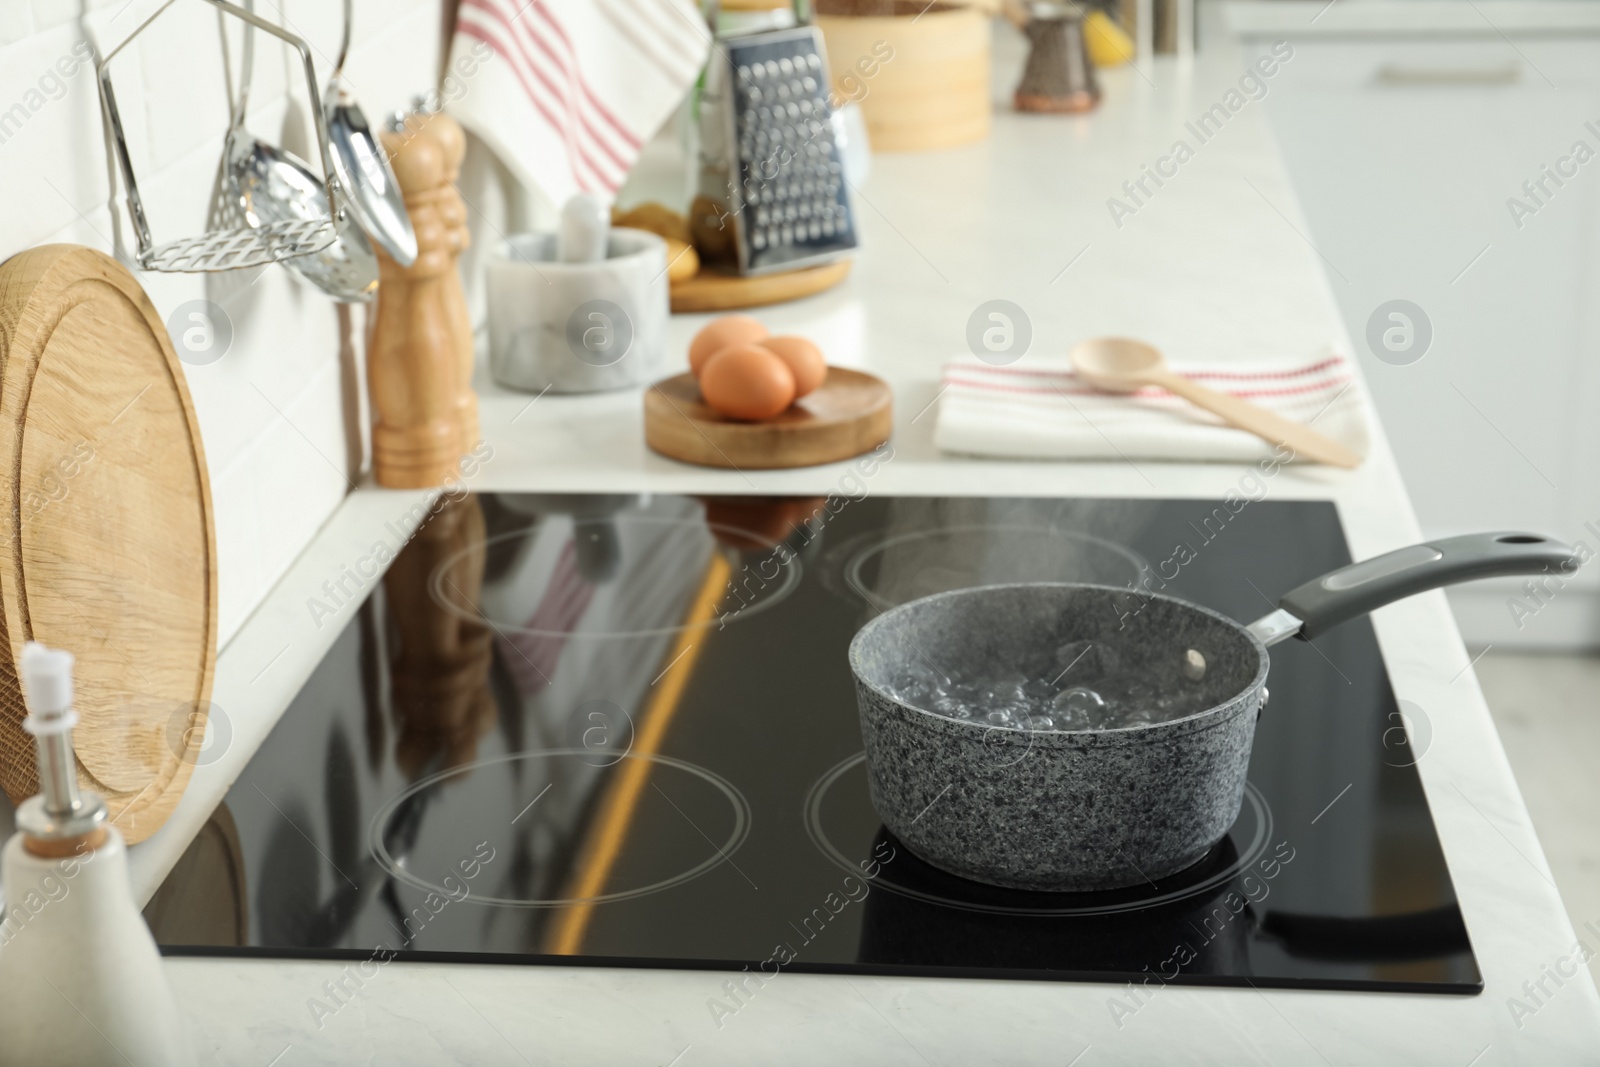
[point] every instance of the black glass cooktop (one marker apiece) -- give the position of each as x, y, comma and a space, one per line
621, 730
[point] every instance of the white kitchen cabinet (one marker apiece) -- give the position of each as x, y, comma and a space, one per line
1404, 150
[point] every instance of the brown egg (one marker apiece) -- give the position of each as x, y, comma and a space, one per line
719, 334
747, 382
804, 359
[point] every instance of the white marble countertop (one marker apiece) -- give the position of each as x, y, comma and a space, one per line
1214, 267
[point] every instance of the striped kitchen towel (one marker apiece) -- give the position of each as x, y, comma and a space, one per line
566, 92
1045, 411
530, 654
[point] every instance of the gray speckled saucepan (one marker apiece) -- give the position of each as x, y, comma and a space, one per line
1070, 810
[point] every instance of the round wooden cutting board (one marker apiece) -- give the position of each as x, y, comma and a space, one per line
106, 543
711, 290
850, 413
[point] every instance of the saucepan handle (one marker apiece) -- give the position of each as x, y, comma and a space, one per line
1342, 595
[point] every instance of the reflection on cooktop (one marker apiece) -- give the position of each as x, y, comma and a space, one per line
406, 844
621, 730
887, 571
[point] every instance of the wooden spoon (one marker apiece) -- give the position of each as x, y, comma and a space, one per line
1121, 365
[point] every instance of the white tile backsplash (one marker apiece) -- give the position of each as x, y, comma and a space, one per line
51, 13
181, 94
16, 21
300, 455
279, 413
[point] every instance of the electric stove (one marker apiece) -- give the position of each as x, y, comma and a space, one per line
621, 730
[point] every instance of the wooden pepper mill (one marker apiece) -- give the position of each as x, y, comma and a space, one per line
419, 365
453, 213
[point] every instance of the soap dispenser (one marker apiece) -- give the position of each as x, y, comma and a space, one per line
81, 981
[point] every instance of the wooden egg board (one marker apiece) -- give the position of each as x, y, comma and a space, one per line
852, 412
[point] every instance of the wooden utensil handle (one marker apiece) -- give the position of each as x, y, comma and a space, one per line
1268, 425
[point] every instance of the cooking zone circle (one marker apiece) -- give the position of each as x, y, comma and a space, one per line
893, 570
636, 784
739, 583
1250, 833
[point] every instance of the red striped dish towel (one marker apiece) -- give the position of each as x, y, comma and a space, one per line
1045, 411
566, 92
531, 653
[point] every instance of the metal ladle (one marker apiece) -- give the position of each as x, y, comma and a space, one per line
271, 186
363, 166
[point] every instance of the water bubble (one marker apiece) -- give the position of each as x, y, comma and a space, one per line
1079, 701
1080, 708
1142, 694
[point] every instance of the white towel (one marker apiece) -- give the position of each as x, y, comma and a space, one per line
1045, 411
567, 92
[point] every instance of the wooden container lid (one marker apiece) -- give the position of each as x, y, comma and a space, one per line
920, 72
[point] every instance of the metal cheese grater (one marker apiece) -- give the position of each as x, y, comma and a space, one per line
772, 189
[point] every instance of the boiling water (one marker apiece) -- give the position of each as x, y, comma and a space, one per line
1082, 687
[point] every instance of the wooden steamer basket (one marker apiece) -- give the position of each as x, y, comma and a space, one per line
920, 72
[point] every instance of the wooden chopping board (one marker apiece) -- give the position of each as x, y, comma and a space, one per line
851, 412
107, 546
712, 290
